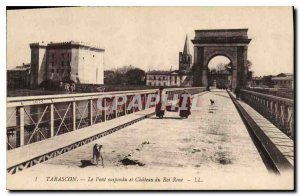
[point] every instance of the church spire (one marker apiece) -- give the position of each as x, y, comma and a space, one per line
186, 46
185, 58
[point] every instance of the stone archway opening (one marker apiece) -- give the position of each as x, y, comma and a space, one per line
219, 72
232, 43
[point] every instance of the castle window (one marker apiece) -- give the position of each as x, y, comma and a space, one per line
52, 71
62, 63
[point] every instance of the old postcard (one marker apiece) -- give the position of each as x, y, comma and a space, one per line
150, 98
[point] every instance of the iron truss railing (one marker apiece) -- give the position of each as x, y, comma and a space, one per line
34, 118
278, 110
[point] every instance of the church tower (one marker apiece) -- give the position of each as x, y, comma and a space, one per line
185, 58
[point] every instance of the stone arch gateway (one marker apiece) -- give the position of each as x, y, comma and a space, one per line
232, 43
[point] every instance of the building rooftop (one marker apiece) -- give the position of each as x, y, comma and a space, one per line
66, 44
163, 72
257, 78
283, 78
23, 67
284, 74
159, 72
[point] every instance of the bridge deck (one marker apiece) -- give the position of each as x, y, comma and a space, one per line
212, 143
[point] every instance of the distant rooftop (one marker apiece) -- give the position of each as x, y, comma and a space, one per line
158, 72
164, 72
283, 78
257, 78
23, 67
66, 44
285, 74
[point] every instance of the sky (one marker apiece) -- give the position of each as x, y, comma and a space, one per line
151, 37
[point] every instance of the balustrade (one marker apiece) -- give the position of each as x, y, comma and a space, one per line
278, 110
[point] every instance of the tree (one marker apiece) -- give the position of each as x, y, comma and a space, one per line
109, 77
249, 72
228, 67
119, 78
124, 69
249, 64
125, 75
249, 75
220, 67
135, 76
213, 70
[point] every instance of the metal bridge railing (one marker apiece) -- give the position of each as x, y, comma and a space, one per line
280, 111
35, 118
191, 90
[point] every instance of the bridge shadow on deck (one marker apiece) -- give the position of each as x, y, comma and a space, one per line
86, 163
167, 117
220, 95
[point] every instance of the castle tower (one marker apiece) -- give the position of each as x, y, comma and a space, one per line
38, 64
185, 58
65, 62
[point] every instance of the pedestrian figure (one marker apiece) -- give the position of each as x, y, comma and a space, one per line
61, 86
73, 87
207, 88
237, 92
184, 105
97, 154
159, 110
67, 87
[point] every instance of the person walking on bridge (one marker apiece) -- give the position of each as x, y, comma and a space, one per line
184, 105
237, 92
159, 110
